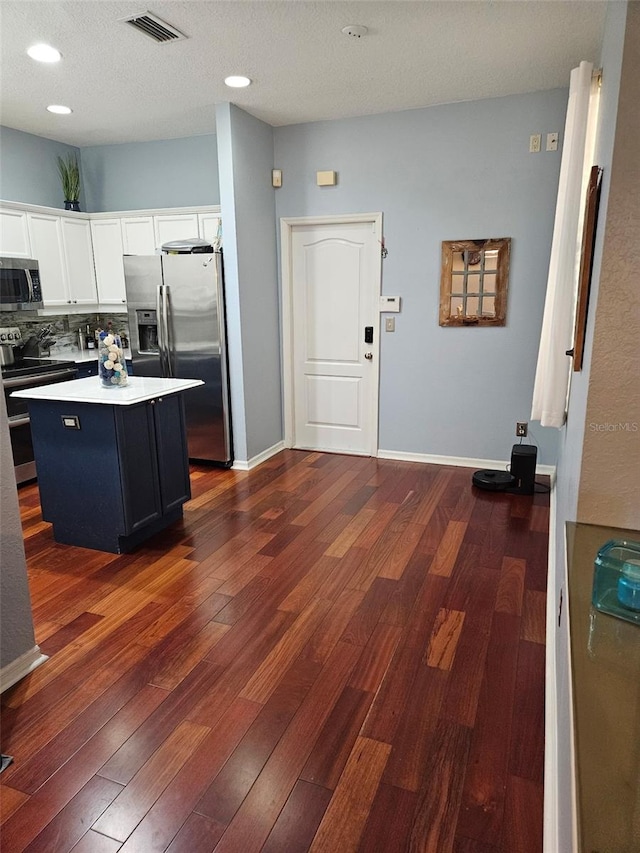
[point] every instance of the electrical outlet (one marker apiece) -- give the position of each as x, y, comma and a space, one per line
535, 141
522, 428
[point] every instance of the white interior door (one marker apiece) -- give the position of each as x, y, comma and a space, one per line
334, 289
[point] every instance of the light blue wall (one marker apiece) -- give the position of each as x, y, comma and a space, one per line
29, 168
245, 150
131, 176
459, 171
164, 173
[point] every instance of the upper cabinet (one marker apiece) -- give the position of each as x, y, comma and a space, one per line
46, 244
62, 247
108, 250
175, 226
80, 254
138, 237
145, 235
14, 234
208, 226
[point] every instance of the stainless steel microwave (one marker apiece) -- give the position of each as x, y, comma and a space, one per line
19, 285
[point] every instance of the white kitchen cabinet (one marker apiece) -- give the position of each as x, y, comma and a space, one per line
78, 256
45, 235
138, 237
108, 250
14, 234
62, 247
208, 224
178, 226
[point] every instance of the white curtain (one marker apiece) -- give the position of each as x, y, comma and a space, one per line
554, 366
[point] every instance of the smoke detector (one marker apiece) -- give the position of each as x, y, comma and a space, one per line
355, 31
154, 27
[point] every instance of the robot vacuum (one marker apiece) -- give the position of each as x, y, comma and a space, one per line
494, 481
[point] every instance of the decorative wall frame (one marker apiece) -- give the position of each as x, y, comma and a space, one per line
592, 204
474, 282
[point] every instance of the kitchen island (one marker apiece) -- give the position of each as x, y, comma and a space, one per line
112, 463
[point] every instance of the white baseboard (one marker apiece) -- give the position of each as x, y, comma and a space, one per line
460, 461
17, 669
551, 835
247, 465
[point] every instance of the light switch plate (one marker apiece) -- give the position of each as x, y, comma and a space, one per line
276, 178
390, 324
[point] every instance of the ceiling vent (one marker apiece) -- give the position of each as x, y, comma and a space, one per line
154, 27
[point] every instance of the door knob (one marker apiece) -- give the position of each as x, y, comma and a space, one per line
368, 356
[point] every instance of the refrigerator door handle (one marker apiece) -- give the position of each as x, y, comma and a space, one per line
166, 331
159, 320
159, 317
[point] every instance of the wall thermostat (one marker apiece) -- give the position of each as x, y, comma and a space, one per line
390, 303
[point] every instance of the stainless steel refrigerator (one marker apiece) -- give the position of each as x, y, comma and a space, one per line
175, 304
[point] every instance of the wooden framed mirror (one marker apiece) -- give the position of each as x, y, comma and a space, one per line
474, 281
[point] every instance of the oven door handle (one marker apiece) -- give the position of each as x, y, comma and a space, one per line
23, 381
18, 422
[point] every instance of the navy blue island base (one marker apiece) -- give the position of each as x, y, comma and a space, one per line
118, 477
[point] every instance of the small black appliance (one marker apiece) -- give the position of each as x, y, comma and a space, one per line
494, 481
523, 468
519, 480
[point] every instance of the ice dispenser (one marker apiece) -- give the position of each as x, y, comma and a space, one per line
147, 322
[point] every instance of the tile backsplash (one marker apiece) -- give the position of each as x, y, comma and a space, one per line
65, 327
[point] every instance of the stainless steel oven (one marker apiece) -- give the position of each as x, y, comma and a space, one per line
24, 374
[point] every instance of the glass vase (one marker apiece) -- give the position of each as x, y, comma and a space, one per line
112, 368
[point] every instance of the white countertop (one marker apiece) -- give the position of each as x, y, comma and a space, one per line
79, 356
90, 390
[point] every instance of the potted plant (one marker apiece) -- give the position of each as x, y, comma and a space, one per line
70, 177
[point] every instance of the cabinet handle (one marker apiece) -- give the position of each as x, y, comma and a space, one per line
68, 301
152, 402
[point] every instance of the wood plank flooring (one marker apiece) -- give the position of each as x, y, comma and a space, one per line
328, 654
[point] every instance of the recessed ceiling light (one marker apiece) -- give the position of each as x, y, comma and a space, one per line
59, 109
237, 82
44, 53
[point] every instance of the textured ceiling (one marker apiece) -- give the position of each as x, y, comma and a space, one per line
124, 87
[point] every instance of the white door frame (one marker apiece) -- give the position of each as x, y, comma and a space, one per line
287, 224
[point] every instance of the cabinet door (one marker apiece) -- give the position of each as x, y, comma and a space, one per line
46, 244
107, 255
138, 465
208, 226
179, 226
14, 234
137, 235
78, 255
171, 439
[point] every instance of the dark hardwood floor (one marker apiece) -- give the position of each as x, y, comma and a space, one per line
330, 653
